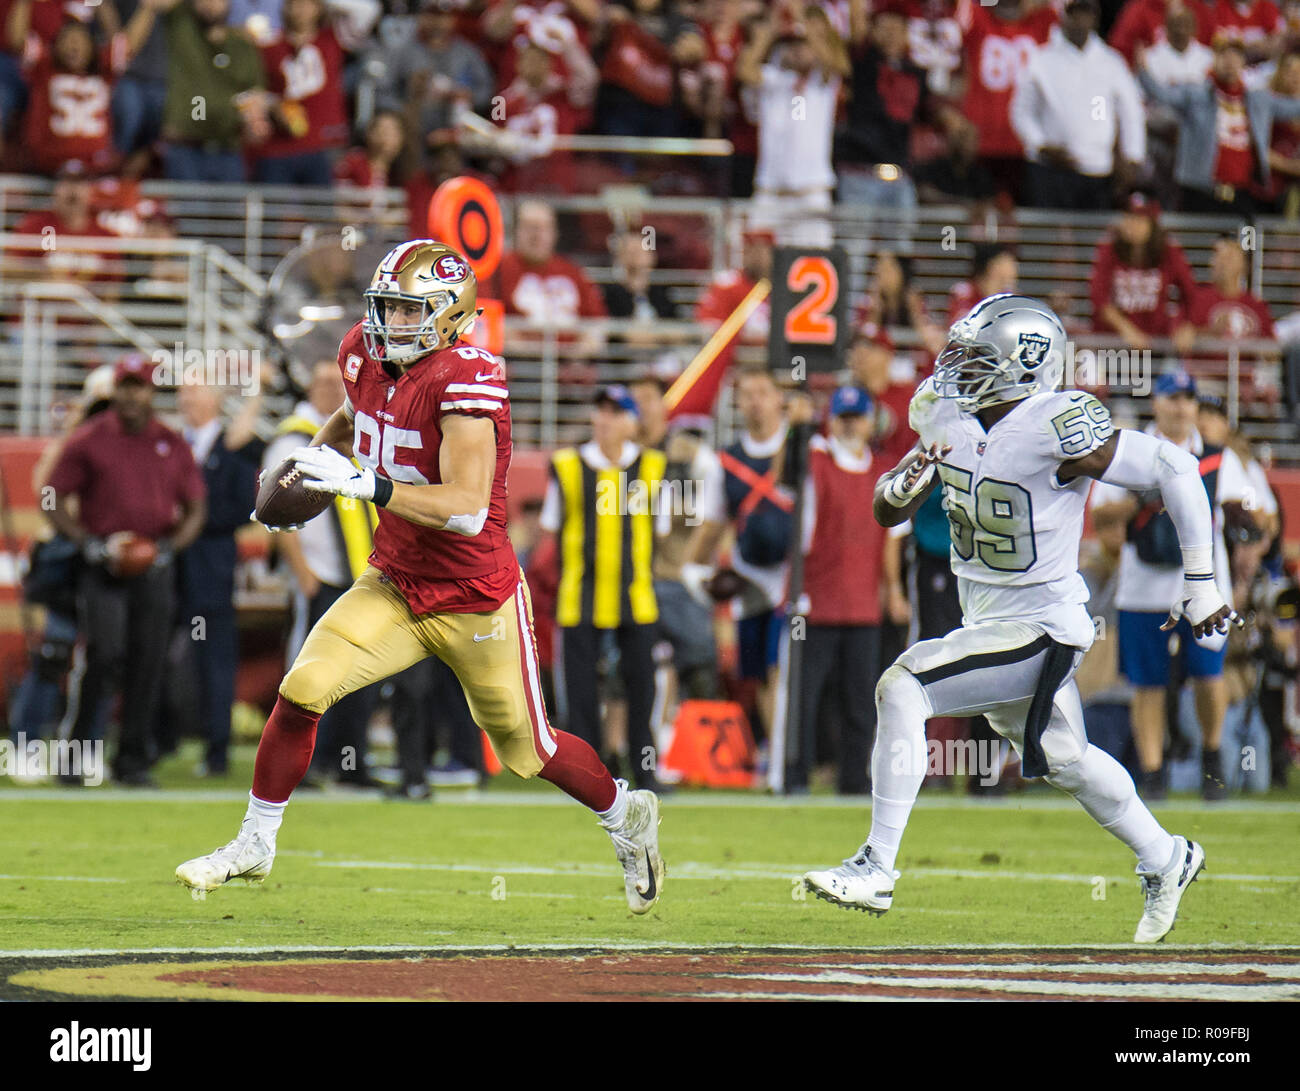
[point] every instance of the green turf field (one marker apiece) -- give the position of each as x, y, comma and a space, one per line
93, 869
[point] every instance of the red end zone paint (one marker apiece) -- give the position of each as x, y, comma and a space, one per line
972, 974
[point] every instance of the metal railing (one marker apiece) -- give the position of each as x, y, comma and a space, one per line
153, 296
200, 291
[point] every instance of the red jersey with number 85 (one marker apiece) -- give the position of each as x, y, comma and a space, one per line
397, 432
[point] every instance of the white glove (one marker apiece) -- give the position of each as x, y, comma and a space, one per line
1201, 600
325, 470
915, 478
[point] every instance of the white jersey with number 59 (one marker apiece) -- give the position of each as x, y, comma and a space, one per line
1015, 530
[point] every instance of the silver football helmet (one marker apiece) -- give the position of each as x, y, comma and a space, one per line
1007, 347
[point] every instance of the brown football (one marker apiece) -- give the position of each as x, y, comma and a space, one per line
130, 556
283, 500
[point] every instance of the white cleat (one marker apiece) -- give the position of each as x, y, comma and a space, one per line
249, 857
636, 843
1165, 889
858, 883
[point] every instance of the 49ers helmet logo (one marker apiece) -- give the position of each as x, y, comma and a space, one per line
450, 267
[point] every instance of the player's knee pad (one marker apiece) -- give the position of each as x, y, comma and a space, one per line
1096, 780
899, 701
310, 685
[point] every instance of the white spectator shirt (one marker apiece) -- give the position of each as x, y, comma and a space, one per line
1080, 99
1170, 68
1149, 589
796, 121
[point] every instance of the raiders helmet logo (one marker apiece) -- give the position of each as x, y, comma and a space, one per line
1033, 349
450, 267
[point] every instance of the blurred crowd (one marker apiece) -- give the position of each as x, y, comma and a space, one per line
869, 102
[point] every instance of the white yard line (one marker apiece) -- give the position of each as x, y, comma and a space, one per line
474, 797
686, 869
595, 945
60, 879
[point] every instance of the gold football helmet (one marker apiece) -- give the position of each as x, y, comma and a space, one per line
428, 273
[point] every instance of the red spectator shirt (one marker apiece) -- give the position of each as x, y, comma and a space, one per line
1254, 20
639, 63
354, 168
844, 560
126, 482
539, 117
962, 296
997, 51
1140, 23
891, 434
68, 114
1238, 317
66, 261
312, 77
1234, 163
722, 297
398, 432
1285, 141
1143, 296
556, 291
47, 18
719, 66
934, 36
549, 21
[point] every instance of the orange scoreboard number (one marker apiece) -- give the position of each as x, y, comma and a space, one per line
809, 308
464, 213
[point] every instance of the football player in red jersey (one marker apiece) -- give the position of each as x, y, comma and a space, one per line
428, 421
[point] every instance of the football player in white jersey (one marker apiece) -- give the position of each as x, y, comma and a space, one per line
1015, 458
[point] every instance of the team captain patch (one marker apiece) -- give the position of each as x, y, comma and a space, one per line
352, 367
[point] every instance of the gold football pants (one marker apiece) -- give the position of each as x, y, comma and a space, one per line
370, 634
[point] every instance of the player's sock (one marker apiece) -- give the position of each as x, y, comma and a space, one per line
613, 817
1105, 790
576, 769
265, 817
898, 760
284, 752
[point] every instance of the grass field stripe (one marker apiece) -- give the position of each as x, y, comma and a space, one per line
596, 945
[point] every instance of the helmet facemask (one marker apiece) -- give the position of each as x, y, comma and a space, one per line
972, 375
433, 277
400, 344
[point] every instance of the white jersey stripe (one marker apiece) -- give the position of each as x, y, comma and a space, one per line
470, 403
532, 680
478, 388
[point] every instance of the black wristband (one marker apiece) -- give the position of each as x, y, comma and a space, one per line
383, 491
